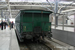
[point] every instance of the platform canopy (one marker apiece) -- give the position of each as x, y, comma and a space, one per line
12, 7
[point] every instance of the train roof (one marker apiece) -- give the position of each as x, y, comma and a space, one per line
36, 11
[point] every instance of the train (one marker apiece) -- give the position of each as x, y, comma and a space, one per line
32, 24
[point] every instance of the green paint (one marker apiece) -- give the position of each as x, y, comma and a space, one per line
33, 18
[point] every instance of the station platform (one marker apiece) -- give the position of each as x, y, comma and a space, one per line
8, 40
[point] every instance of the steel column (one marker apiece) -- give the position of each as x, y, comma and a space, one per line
50, 18
74, 23
56, 11
63, 22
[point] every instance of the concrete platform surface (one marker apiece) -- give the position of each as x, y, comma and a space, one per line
8, 40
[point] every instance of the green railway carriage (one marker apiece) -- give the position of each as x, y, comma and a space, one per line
32, 24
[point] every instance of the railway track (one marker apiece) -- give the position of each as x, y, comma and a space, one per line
47, 44
44, 45
33, 46
23, 46
57, 45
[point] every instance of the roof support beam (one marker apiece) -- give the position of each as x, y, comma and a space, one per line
67, 10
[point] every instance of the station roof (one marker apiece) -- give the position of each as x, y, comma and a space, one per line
16, 5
